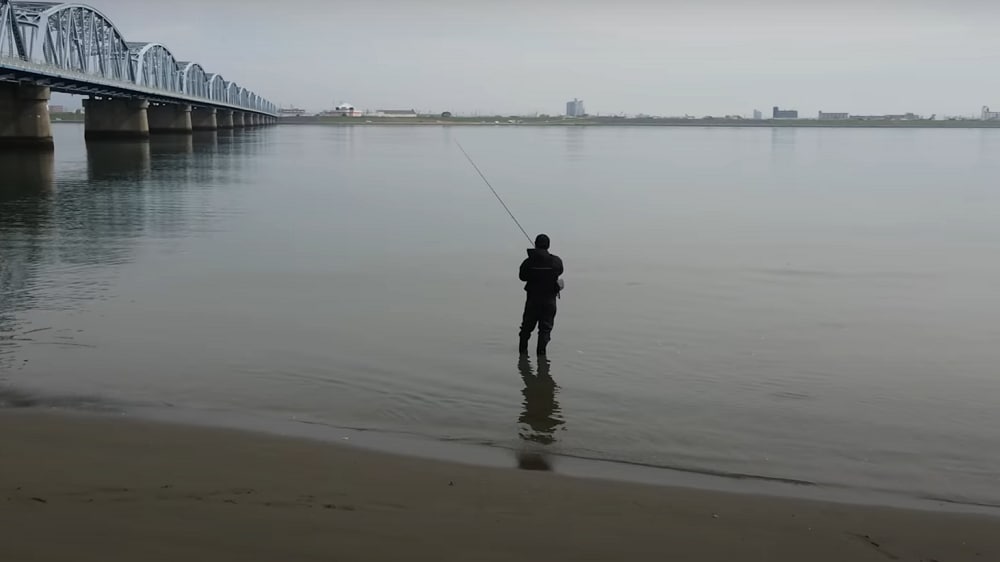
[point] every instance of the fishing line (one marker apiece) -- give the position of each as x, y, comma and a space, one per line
495, 194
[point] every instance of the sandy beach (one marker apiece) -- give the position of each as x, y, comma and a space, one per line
75, 487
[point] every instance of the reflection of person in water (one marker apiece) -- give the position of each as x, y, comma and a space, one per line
541, 413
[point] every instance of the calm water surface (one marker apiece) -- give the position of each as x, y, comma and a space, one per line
815, 305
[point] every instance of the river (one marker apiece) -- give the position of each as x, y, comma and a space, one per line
814, 305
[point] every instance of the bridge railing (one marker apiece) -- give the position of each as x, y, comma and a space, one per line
78, 42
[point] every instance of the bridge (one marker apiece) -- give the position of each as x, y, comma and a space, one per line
135, 88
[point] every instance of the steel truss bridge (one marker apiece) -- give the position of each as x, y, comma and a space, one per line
76, 49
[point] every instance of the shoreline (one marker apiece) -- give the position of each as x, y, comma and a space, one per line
968, 124
642, 122
154, 491
497, 455
488, 454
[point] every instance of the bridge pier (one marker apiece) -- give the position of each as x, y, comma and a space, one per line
115, 118
238, 121
224, 118
204, 119
170, 118
24, 117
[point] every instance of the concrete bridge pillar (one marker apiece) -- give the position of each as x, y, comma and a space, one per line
224, 118
204, 119
170, 118
115, 118
238, 121
24, 116
250, 119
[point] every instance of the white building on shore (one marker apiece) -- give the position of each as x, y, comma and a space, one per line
838, 116
342, 110
402, 113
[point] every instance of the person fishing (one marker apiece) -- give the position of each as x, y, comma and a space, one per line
540, 272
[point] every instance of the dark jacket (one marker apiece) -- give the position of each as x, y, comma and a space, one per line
540, 273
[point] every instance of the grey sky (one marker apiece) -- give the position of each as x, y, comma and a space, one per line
668, 57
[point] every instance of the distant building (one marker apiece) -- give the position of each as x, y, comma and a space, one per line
833, 116
990, 115
575, 108
342, 110
291, 112
778, 113
57, 109
757, 115
395, 113
901, 117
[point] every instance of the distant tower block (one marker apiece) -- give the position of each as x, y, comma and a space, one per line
574, 108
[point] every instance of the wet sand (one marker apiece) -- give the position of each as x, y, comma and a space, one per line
84, 488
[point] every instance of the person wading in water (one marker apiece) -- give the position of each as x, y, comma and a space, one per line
540, 273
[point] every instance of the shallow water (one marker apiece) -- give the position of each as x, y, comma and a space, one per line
807, 305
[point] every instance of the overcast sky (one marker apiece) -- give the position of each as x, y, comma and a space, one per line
634, 56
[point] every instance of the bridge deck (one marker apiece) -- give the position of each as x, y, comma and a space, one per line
68, 81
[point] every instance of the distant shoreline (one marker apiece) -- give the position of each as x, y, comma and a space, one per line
613, 122
640, 122
66, 117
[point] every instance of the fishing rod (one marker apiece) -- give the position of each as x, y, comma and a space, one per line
495, 194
